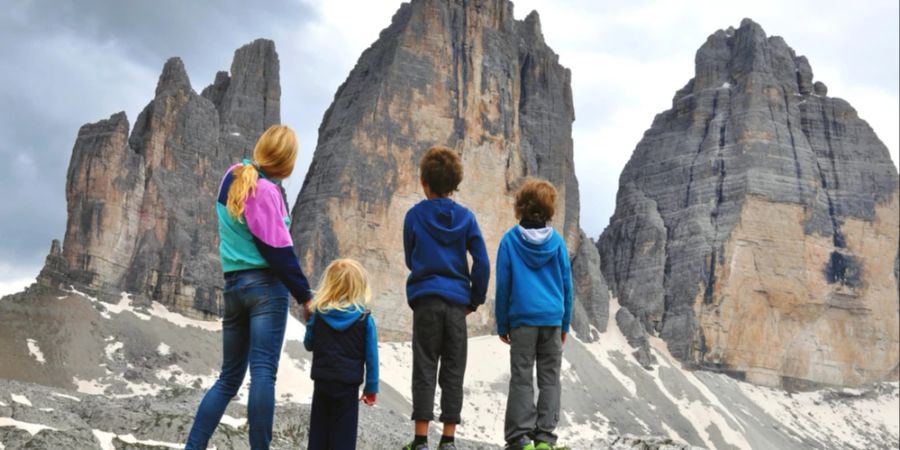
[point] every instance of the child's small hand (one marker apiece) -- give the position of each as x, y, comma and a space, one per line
505, 338
563, 337
369, 399
306, 312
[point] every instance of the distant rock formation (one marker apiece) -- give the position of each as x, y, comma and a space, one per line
756, 224
464, 74
141, 206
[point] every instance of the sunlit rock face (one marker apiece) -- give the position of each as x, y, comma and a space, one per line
756, 226
464, 74
141, 205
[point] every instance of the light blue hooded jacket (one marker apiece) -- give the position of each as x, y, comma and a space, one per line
534, 280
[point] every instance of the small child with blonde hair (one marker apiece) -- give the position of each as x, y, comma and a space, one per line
341, 334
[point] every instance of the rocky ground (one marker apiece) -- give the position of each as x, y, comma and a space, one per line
83, 373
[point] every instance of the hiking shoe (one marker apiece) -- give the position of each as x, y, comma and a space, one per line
539, 445
447, 446
410, 446
522, 443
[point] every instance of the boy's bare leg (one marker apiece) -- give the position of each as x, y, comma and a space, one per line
421, 428
449, 429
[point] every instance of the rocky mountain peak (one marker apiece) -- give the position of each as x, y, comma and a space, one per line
464, 74
747, 221
733, 55
140, 202
174, 78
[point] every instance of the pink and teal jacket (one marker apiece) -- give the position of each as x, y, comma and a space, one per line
262, 239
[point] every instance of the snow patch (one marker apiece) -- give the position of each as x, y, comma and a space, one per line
20, 399
90, 387
701, 414
233, 422
613, 342
35, 351
726, 85
156, 309
31, 428
111, 349
66, 396
163, 349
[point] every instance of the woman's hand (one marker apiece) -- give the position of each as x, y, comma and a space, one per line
505, 338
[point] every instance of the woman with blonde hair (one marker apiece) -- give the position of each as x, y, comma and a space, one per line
260, 270
341, 334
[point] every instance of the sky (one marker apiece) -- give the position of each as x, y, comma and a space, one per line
68, 62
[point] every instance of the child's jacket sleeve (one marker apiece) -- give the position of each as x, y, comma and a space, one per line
409, 239
371, 386
308, 337
566, 269
265, 214
502, 289
481, 266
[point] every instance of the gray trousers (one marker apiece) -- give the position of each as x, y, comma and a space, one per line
439, 339
530, 345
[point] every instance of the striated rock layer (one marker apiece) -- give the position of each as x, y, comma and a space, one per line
464, 74
141, 205
756, 224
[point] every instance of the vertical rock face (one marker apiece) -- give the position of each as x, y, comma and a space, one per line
141, 206
464, 74
756, 226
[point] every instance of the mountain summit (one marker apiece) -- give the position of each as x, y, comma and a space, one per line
756, 224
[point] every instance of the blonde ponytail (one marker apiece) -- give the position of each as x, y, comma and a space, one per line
243, 186
274, 155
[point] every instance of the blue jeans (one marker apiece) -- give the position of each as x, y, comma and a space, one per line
256, 310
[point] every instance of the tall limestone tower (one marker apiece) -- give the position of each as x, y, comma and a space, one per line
464, 74
756, 224
141, 203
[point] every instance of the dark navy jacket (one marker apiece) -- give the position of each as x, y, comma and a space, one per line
344, 346
437, 234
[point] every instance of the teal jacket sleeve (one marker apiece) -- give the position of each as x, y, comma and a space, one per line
502, 288
567, 287
371, 386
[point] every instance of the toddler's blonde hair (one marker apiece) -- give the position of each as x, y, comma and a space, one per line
345, 285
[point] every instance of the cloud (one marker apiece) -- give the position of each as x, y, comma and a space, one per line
71, 62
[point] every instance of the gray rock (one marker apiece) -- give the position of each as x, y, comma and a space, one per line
591, 310
634, 331
140, 204
751, 128
457, 73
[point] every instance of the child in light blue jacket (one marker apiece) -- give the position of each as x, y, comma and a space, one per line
533, 311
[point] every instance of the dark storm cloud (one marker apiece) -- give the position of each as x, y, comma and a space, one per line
72, 62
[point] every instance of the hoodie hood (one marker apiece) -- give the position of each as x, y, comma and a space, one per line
537, 247
341, 320
536, 235
443, 219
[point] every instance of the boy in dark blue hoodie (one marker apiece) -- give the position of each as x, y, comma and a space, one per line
442, 291
533, 310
